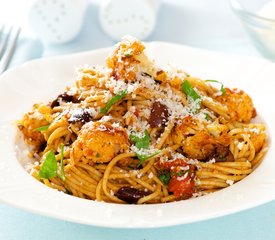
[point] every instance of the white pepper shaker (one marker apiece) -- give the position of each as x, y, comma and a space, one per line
57, 21
128, 17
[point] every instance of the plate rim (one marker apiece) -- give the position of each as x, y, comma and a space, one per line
155, 44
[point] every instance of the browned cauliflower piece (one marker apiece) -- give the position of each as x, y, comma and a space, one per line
201, 145
240, 105
123, 61
174, 81
99, 142
198, 141
40, 116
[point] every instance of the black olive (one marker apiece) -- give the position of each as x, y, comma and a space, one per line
64, 97
159, 115
82, 116
131, 195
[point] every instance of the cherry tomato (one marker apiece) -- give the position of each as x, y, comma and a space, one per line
182, 188
182, 174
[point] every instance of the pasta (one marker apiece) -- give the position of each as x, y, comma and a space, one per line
134, 132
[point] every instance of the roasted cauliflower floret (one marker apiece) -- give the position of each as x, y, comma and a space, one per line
174, 77
200, 146
123, 61
99, 142
239, 104
40, 116
198, 141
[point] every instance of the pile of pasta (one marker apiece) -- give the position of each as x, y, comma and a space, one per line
135, 132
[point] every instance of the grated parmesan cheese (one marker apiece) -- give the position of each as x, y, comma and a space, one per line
182, 177
150, 175
229, 182
211, 161
240, 145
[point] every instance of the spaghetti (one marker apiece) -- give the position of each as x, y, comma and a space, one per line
132, 132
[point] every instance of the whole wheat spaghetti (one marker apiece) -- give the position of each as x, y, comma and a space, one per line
134, 132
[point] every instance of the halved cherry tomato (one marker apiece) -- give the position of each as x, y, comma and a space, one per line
182, 188
182, 174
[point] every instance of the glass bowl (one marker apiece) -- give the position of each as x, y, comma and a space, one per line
258, 18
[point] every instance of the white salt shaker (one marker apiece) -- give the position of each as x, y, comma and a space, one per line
128, 17
57, 21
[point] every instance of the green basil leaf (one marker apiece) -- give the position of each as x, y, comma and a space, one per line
49, 167
222, 89
207, 117
191, 94
143, 158
128, 53
165, 177
43, 128
182, 173
62, 176
189, 90
113, 100
141, 142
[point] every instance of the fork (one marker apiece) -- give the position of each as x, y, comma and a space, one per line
7, 45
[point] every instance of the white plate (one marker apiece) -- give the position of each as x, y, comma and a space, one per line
43, 79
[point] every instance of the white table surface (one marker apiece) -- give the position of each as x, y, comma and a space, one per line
205, 24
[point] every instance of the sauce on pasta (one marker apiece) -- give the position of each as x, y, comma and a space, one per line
134, 132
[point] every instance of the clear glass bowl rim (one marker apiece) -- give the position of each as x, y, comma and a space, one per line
248, 15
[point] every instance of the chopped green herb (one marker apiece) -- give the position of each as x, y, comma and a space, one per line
43, 128
113, 100
62, 176
189, 90
141, 142
191, 94
207, 117
97, 155
181, 173
49, 167
143, 158
165, 177
128, 53
222, 89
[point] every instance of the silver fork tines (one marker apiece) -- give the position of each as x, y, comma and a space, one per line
7, 45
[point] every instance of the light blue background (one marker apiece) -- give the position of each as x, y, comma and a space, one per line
206, 24
257, 223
